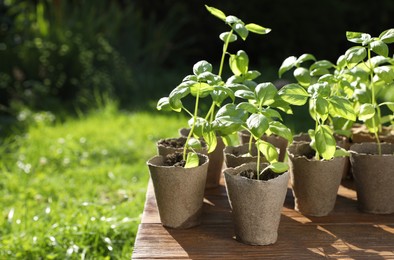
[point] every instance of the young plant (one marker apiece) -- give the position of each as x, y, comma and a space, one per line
373, 74
324, 103
200, 84
237, 27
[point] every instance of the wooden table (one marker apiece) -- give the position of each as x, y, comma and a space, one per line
346, 233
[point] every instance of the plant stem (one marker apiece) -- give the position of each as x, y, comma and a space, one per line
258, 165
374, 103
225, 46
192, 127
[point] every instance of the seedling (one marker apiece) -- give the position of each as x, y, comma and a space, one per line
373, 74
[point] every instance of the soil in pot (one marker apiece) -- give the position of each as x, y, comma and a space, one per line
256, 204
315, 183
179, 191
175, 145
374, 177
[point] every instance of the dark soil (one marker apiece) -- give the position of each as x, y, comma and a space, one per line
267, 175
310, 155
174, 159
175, 143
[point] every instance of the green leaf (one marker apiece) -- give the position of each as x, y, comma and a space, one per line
202, 66
247, 107
358, 37
163, 104
224, 36
178, 93
387, 36
220, 93
201, 88
287, 64
241, 30
265, 93
385, 73
268, 150
252, 74
325, 142
192, 160
211, 140
341, 153
282, 105
231, 19
200, 124
380, 48
280, 129
239, 63
303, 58
257, 124
367, 111
245, 94
228, 119
271, 113
302, 76
294, 94
279, 167
255, 28
216, 12
373, 124
342, 107
355, 55
341, 62
322, 108
322, 64
194, 144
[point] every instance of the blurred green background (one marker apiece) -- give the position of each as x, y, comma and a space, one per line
59, 55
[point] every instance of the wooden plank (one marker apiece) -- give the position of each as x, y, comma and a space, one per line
345, 233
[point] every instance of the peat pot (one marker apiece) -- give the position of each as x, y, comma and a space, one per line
235, 155
256, 205
179, 191
315, 183
374, 177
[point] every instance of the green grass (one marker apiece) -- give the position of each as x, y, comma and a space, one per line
76, 190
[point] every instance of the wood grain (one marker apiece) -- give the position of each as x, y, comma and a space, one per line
346, 233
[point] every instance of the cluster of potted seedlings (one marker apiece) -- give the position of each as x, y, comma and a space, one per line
353, 134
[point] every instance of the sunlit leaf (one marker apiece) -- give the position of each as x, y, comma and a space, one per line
268, 150
225, 37
342, 107
287, 64
241, 30
387, 36
216, 12
380, 48
279, 167
265, 93
367, 111
302, 76
325, 142
255, 28
257, 124
202, 66
355, 55
239, 63
192, 160
294, 94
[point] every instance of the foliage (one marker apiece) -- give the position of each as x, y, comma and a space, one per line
203, 83
69, 191
371, 75
326, 98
